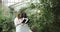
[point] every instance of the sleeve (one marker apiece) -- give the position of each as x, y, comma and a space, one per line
15, 21
26, 20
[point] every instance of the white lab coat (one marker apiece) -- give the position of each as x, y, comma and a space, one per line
22, 27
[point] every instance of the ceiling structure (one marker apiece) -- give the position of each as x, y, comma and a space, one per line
18, 4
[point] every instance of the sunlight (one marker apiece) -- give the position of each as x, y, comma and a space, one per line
10, 2
38, 11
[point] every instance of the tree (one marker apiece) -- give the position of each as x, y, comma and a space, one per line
48, 17
44, 16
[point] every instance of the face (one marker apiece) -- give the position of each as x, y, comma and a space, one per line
24, 15
19, 16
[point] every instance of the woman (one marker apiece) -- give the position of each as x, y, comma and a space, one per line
21, 23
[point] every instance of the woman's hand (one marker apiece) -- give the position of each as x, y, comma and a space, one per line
18, 24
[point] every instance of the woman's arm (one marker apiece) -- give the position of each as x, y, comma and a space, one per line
16, 22
26, 20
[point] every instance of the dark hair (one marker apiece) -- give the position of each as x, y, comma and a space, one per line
24, 15
21, 15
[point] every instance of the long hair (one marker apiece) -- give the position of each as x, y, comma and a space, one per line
19, 15
22, 15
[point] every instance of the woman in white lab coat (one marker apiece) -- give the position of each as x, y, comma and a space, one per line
21, 23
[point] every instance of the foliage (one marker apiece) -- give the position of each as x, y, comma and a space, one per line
47, 20
48, 17
6, 23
